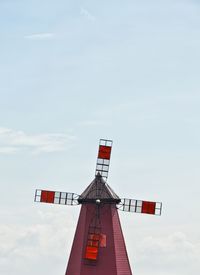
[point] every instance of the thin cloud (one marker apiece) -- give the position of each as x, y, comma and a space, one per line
12, 141
40, 36
85, 13
8, 150
92, 123
169, 254
24, 245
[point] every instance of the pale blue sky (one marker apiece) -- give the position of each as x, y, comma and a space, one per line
72, 72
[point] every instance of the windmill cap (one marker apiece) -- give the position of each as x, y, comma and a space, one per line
98, 190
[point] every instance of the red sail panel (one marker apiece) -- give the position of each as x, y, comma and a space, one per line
93, 240
91, 253
93, 243
47, 196
104, 152
148, 207
95, 237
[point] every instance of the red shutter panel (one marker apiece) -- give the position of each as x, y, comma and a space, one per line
148, 207
47, 196
104, 152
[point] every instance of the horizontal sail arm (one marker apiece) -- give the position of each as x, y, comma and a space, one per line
56, 197
139, 206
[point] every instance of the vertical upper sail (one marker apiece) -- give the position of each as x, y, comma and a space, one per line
103, 158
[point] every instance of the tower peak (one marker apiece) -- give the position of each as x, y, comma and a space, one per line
99, 190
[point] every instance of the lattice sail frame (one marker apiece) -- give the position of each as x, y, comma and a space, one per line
56, 197
103, 158
94, 238
93, 243
139, 206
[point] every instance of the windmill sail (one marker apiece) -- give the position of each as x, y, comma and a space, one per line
93, 238
56, 197
103, 159
139, 206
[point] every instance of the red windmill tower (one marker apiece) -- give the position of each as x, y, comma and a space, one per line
98, 247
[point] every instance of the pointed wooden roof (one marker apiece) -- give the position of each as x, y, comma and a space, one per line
98, 190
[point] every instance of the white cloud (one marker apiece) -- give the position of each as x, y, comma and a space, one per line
12, 141
40, 36
40, 247
85, 13
174, 254
46, 242
8, 150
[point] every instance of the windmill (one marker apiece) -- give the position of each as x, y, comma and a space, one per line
98, 247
